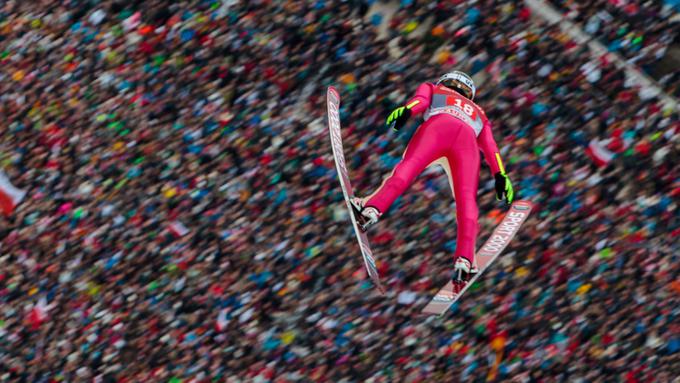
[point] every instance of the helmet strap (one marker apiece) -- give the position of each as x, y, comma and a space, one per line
462, 91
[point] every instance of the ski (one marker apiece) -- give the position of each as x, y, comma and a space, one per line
333, 102
499, 239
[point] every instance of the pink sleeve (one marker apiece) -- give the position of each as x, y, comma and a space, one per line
488, 145
421, 101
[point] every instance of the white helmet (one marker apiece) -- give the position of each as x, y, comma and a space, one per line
459, 81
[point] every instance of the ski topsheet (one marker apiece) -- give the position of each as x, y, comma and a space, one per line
333, 101
499, 239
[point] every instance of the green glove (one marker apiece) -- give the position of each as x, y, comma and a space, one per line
504, 188
398, 117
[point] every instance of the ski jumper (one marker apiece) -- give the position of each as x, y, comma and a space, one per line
454, 131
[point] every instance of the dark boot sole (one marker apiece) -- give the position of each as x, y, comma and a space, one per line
361, 221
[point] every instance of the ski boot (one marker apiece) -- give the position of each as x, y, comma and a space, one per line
463, 270
365, 216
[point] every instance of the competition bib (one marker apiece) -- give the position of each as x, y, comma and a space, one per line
447, 101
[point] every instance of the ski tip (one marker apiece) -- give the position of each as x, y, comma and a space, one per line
331, 89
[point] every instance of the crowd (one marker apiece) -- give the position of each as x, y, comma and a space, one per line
184, 223
641, 31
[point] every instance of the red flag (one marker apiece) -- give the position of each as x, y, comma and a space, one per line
39, 314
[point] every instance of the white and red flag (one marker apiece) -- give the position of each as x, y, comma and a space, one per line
178, 229
597, 150
222, 320
10, 195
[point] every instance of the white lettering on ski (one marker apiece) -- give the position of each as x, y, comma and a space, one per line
336, 135
508, 227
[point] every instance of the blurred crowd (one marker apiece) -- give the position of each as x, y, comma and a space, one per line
184, 223
641, 31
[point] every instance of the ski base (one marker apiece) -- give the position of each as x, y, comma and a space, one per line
497, 242
333, 103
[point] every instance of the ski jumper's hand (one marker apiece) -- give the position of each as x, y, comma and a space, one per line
504, 188
397, 119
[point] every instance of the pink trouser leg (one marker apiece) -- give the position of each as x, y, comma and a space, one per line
464, 162
425, 146
440, 136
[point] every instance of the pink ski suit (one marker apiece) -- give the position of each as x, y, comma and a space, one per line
454, 131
